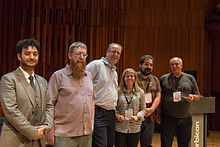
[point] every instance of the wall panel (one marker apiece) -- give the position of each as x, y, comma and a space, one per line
162, 28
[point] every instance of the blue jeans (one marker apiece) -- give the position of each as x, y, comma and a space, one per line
104, 128
147, 132
171, 125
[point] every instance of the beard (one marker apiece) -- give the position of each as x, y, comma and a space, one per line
78, 71
146, 72
25, 64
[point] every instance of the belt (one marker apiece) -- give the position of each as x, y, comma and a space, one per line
102, 109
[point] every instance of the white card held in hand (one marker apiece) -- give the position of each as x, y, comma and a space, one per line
177, 96
128, 113
148, 98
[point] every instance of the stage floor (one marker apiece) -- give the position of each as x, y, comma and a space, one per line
213, 139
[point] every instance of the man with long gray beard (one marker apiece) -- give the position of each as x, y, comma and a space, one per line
151, 86
71, 91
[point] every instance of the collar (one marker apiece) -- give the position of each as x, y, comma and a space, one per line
125, 92
107, 63
70, 72
176, 77
141, 76
26, 75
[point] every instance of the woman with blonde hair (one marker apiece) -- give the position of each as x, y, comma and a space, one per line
130, 110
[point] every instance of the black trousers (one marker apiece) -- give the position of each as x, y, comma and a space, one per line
171, 125
129, 139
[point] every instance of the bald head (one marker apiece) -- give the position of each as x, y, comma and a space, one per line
175, 59
176, 65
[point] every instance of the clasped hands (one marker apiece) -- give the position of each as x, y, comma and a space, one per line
122, 118
40, 132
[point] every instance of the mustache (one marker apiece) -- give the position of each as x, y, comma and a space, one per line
147, 69
31, 59
79, 61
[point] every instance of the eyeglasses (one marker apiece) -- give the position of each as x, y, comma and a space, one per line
115, 52
80, 54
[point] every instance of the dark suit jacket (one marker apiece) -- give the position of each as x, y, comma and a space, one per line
18, 102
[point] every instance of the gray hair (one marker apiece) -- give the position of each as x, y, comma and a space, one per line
111, 44
176, 58
76, 45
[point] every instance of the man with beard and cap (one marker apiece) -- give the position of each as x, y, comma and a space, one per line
178, 91
71, 91
151, 86
24, 98
105, 81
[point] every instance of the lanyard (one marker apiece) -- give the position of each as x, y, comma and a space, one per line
131, 97
148, 84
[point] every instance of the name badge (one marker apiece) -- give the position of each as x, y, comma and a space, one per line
177, 96
128, 113
148, 98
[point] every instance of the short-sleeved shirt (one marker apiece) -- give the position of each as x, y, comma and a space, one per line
137, 104
105, 81
186, 84
149, 85
72, 98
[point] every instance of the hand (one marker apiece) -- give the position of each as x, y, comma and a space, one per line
40, 133
158, 119
40, 127
50, 137
190, 98
134, 118
120, 117
149, 111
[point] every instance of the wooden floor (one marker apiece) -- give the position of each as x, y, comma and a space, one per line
213, 139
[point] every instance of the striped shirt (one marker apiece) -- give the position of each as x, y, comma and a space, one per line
137, 103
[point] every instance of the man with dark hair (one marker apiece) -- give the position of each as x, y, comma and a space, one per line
105, 82
178, 91
151, 86
71, 91
27, 107
26, 43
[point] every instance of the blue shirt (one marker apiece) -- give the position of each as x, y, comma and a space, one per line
105, 82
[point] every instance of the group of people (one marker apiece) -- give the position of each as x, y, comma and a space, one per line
82, 105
